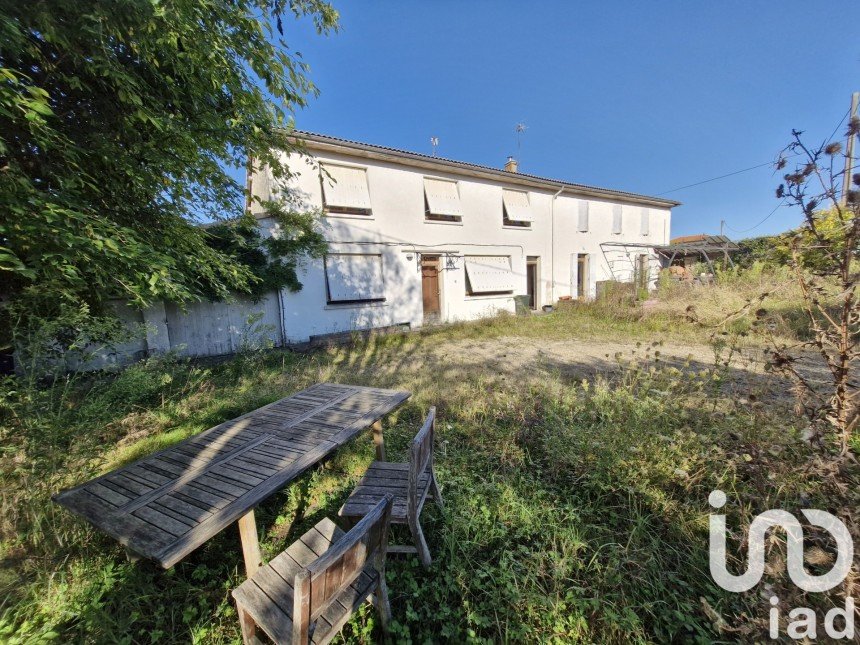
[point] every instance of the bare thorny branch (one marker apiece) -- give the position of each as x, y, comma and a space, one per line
824, 259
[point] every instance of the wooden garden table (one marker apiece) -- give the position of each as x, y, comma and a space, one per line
164, 506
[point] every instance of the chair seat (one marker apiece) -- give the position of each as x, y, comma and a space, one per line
268, 595
384, 477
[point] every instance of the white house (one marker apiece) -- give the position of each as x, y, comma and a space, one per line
416, 239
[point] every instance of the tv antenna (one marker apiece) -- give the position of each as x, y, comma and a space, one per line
520, 129
434, 141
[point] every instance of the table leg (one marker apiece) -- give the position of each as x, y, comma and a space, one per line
378, 440
253, 561
250, 543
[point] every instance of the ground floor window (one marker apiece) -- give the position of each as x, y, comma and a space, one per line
354, 278
489, 275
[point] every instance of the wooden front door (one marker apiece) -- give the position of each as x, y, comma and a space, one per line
430, 287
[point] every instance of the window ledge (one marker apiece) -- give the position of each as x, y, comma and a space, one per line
517, 228
498, 296
356, 305
365, 218
442, 222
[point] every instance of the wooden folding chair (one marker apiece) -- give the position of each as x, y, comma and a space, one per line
409, 483
307, 593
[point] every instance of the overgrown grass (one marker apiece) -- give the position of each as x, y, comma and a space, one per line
733, 301
576, 510
680, 312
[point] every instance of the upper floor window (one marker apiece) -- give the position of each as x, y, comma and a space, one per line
354, 278
345, 190
616, 219
442, 200
582, 222
645, 222
516, 210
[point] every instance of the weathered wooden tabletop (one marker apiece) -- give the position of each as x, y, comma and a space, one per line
166, 505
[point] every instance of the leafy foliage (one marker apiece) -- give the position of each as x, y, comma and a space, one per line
776, 250
274, 259
120, 126
769, 249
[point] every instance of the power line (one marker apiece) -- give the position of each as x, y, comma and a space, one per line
840, 125
699, 183
761, 165
752, 228
782, 203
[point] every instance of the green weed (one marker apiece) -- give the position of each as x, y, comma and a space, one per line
575, 509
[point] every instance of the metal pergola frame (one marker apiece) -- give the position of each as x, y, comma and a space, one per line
715, 245
624, 246
671, 251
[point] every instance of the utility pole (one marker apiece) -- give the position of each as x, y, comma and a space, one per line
722, 226
849, 151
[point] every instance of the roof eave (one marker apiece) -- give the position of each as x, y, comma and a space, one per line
355, 148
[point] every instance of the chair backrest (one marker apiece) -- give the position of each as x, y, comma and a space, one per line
420, 457
318, 585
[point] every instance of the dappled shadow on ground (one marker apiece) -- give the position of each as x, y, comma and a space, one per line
508, 490
424, 361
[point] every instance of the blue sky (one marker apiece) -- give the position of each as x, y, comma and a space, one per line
638, 96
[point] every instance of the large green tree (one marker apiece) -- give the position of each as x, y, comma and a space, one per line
123, 124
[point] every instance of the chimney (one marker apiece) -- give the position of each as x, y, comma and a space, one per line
511, 165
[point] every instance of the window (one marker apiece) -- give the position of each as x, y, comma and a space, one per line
353, 278
345, 190
442, 201
582, 224
489, 275
616, 219
645, 222
515, 209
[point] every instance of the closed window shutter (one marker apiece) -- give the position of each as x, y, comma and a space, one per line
582, 225
616, 219
490, 274
345, 187
645, 225
442, 197
517, 205
351, 277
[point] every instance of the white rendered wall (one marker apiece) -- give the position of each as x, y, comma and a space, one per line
216, 328
605, 262
398, 230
